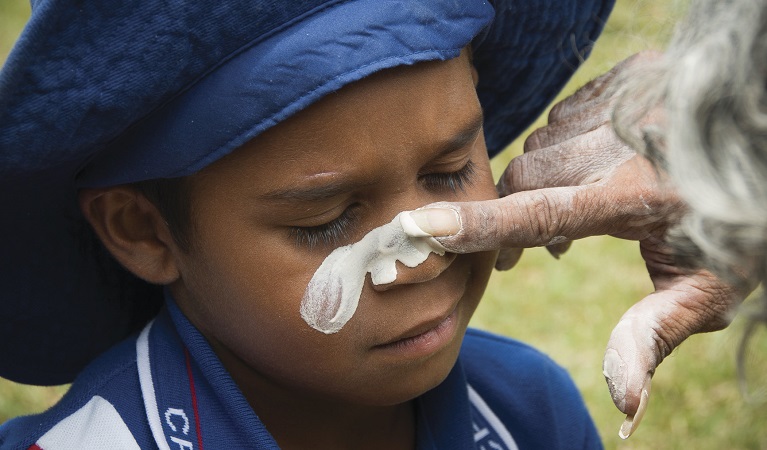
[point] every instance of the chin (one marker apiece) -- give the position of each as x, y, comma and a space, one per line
405, 383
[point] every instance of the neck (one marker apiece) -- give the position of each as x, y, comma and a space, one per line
299, 419
327, 425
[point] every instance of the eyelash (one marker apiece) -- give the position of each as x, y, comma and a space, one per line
336, 230
327, 233
453, 181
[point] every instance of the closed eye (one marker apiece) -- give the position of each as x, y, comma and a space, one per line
328, 234
331, 234
450, 181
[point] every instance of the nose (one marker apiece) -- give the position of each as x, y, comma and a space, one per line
426, 271
411, 197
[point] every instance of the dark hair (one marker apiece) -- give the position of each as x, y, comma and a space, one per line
172, 197
139, 300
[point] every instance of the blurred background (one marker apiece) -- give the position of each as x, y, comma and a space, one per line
568, 307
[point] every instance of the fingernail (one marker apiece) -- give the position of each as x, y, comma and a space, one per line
431, 222
614, 370
632, 422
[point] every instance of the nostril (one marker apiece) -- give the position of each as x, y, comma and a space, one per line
427, 270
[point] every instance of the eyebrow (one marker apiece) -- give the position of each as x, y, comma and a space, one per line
464, 137
315, 193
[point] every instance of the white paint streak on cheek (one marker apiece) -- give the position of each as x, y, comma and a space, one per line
332, 296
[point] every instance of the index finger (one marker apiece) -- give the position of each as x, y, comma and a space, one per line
521, 220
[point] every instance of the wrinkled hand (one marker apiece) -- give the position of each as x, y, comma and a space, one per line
577, 179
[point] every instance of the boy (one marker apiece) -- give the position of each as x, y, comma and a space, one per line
227, 176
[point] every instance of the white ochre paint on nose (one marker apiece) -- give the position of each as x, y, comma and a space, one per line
332, 295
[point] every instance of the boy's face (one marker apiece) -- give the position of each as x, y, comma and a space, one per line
266, 216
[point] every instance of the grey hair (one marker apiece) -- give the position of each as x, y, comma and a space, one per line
711, 83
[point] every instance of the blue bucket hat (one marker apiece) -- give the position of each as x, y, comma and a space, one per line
97, 94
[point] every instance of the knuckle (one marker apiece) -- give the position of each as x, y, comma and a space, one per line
516, 175
503, 187
702, 309
482, 227
596, 87
712, 307
543, 218
559, 110
534, 141
665, 343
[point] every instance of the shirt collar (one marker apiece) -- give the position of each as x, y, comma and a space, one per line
190, 399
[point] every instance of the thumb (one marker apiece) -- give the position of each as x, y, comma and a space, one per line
652, 328
633, 352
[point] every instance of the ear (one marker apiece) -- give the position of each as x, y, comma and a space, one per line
133, 231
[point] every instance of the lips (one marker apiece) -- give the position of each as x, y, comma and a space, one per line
434, 331
426, 338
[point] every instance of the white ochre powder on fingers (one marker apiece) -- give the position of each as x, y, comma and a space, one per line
332, 295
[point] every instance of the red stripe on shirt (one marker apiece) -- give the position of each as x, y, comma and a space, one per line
194, 397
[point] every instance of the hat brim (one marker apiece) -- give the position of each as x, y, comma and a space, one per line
64, 304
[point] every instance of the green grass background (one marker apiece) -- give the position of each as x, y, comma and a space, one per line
568, 307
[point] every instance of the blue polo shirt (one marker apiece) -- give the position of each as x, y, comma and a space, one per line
166, 389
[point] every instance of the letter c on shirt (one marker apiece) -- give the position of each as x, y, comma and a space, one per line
177, 412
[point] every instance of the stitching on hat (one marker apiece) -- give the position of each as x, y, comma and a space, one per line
296, 20
178, 94
232, 144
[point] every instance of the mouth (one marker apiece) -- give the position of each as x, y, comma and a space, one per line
425, 338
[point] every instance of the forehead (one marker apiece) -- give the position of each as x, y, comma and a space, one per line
395, 113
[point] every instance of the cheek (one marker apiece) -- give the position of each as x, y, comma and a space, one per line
482, 267
248, 307
244, 288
